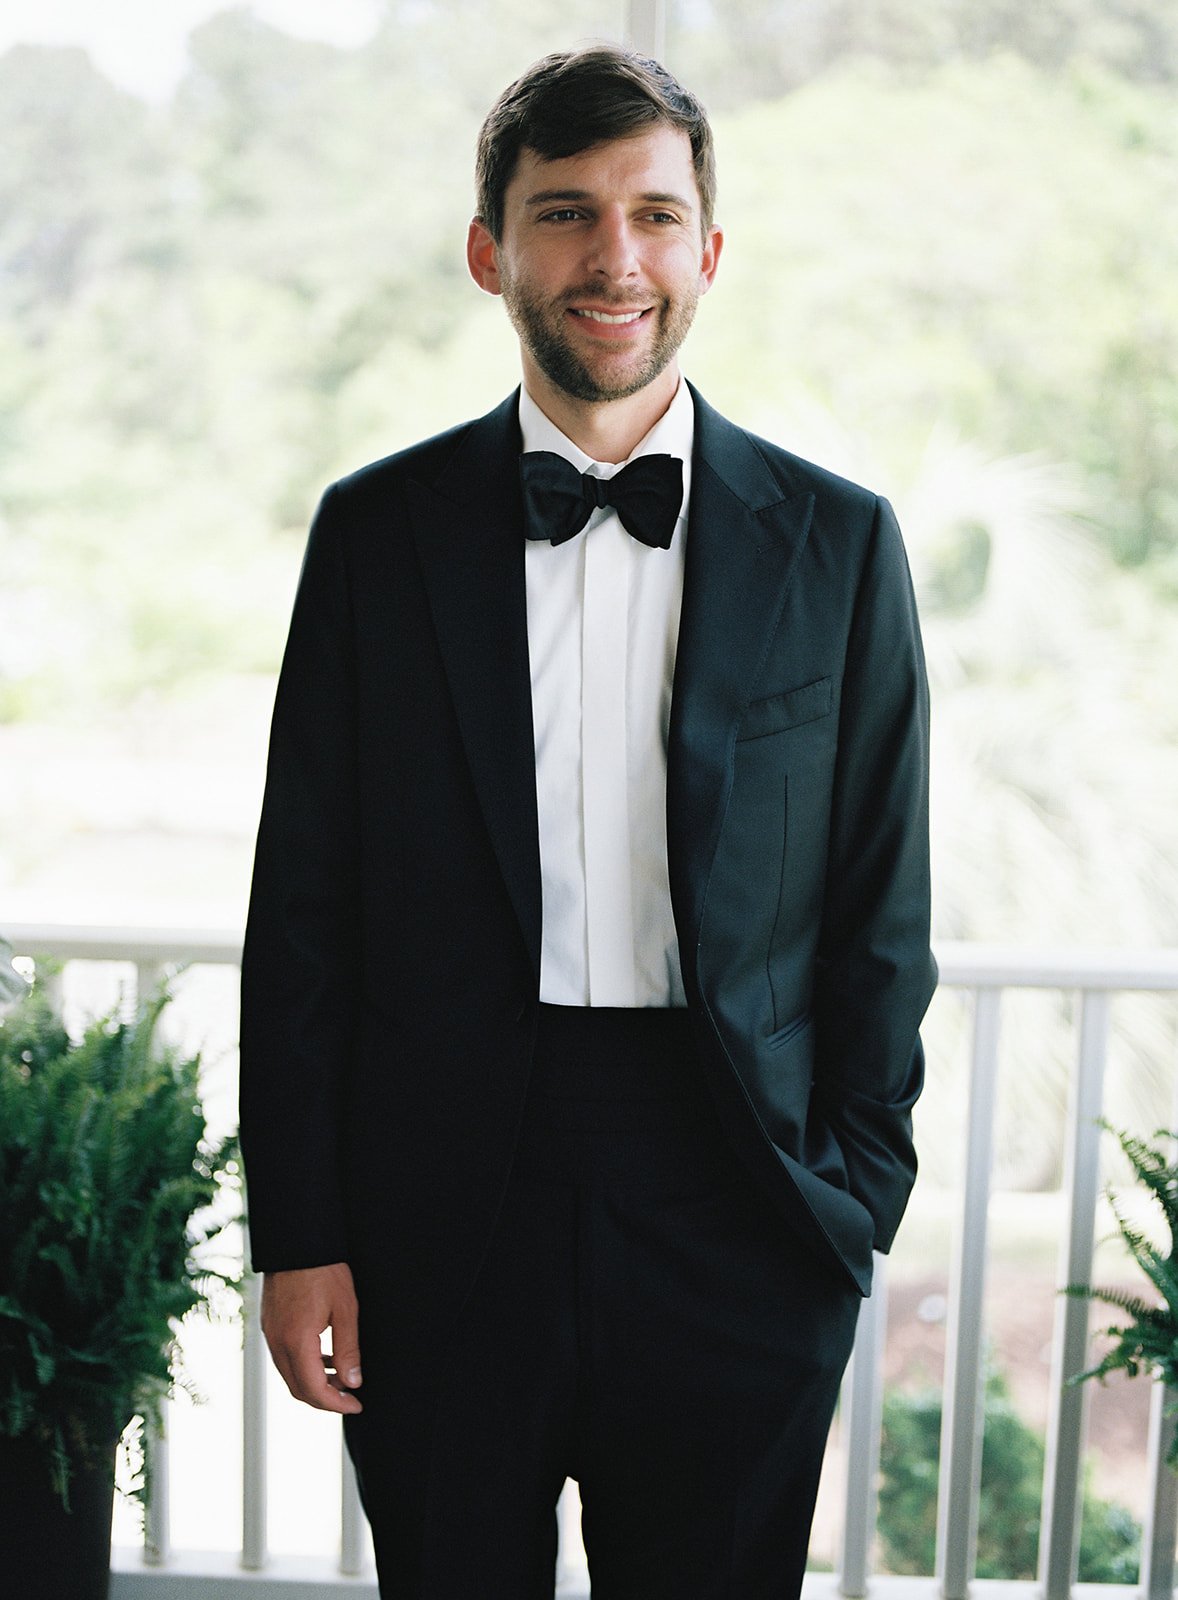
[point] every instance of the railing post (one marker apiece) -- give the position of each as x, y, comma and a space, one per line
148, 977
157, 1542
157, 1546
963, 1414
253, 1428
646, 27
1060, 1526
863, 1410
351, 1544
571, 1567
1160, 1533
53, 987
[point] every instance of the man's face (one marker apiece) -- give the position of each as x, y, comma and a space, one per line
601, 263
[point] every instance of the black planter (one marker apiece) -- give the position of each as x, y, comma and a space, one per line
47, 1552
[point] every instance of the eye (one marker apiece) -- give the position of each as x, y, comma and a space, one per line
662, 217
562, 214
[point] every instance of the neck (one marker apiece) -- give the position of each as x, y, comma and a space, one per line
606, 430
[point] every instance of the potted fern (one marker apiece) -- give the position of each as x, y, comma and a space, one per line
109, 1185
1147, 1340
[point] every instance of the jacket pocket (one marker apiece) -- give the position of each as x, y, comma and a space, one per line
793, 1029
777, 712
778, 1077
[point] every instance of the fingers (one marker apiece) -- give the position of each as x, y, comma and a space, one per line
302, 1369
297, 1306
341, 1377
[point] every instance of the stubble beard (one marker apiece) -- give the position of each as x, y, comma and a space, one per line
539, 324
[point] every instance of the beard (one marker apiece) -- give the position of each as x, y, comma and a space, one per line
540, 325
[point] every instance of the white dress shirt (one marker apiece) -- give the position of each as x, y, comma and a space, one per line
603, 622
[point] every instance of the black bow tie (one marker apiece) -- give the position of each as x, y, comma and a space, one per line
558, 500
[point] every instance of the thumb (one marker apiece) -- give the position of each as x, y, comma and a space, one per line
345, 1344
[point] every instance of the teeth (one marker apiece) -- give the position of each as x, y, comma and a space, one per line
604, 316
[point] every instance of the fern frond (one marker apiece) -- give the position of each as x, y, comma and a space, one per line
108, 1181
1148, 1340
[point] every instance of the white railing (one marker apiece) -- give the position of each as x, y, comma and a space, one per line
984, 973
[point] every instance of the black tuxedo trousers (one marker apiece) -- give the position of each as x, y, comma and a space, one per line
642, 1321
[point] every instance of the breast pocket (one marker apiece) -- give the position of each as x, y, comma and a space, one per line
790, 709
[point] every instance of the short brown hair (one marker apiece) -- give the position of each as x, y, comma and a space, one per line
569, 102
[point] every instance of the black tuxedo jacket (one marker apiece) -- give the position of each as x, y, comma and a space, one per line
391, 966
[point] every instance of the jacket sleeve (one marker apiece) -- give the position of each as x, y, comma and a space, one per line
875, 972
300, 959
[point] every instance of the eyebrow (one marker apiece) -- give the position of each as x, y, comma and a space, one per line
547, 197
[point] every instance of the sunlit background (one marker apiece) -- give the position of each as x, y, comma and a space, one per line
231, 269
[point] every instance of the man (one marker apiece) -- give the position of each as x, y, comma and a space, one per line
589, 934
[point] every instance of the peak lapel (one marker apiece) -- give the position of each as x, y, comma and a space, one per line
746, 531
468, 527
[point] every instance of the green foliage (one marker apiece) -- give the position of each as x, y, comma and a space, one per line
907, 1520
1147, 1340
984, 232
1011, 1493
109, 1186
735, 50
226, 300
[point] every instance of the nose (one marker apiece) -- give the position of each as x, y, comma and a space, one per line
613, 249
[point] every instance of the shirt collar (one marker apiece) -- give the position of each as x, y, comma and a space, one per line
673, 435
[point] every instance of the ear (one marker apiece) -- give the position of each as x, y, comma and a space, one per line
713, 245
482, 257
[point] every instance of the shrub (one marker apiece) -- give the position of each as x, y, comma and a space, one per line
1011, 1492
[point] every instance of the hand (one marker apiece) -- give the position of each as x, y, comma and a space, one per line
296, 1308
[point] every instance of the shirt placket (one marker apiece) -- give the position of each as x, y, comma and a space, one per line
604, 766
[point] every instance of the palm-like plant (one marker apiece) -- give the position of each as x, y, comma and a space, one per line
107, 1188
1148, 1340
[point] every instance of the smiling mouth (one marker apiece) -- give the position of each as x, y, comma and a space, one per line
612, 319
